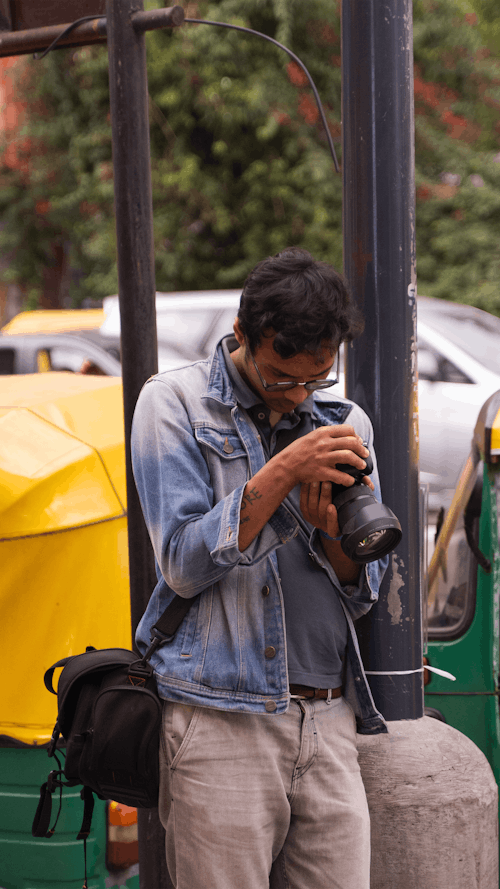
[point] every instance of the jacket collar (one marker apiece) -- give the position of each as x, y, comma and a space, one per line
219, 385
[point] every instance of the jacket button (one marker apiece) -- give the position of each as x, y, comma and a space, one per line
270, 651
270, 706
265, 590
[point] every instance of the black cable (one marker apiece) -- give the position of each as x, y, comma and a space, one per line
71, 27
292, 56
89, 18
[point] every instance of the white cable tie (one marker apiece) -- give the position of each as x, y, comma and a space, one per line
407, 672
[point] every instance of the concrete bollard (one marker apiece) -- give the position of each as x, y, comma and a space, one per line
433, 802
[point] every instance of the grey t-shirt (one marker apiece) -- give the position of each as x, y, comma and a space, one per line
316, 627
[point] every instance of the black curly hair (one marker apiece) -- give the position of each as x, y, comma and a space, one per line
305, 301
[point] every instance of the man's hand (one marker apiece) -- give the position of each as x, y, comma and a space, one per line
314, 457
317, 508
310, 459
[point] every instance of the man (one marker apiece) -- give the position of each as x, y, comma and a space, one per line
234, 459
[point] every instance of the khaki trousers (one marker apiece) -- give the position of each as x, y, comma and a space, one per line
252, 802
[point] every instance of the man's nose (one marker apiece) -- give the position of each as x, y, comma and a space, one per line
298, 394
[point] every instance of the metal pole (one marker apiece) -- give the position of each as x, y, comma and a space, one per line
379, 263
134, 229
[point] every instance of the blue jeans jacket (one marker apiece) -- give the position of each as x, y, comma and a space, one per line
193, 450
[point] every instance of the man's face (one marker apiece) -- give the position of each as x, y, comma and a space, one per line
302, 367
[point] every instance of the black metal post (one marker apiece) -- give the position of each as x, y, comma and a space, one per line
379, 263
134, 228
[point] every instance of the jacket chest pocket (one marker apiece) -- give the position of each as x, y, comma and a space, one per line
225, 456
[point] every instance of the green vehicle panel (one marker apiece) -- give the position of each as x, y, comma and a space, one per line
463, 612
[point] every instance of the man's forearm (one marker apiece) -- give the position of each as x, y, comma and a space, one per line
262, 496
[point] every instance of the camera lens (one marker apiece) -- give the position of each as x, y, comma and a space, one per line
376, 545
369, 529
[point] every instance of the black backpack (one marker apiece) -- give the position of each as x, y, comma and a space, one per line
108, 726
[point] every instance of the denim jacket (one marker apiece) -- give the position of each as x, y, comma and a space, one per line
193, 450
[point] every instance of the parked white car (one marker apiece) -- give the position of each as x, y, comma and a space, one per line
458, 357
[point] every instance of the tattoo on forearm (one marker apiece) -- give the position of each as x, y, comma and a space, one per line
252, 495
248, 498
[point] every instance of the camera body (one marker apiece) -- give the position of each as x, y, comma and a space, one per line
357, 474
369, 529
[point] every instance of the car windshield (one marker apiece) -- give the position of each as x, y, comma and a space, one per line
474, 331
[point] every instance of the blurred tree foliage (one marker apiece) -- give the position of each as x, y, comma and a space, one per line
457, 143
240, 164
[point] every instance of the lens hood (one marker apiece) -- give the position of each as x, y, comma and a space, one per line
369, 528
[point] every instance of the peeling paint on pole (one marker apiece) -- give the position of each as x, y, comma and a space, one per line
394, 605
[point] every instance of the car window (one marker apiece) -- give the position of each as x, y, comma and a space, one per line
62, 358
433, 366
476, 332
7, 361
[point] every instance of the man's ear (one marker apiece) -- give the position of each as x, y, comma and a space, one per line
240, 336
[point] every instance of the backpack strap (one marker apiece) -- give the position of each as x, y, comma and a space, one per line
171, 619
49, 674
41, 821
166, 626
88, 808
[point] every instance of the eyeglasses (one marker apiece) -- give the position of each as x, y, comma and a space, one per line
291, 384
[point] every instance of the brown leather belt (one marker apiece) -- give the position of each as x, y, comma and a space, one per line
306, 691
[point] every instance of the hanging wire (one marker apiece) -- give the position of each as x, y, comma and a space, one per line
89, 18
295, 59
71, 27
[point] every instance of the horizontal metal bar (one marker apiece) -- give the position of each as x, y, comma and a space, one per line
152, 19
13, 43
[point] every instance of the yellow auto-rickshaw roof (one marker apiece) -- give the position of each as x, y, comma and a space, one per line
54, 321
61, 452
63, 536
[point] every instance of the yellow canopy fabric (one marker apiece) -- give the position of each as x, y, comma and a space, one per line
63, 535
